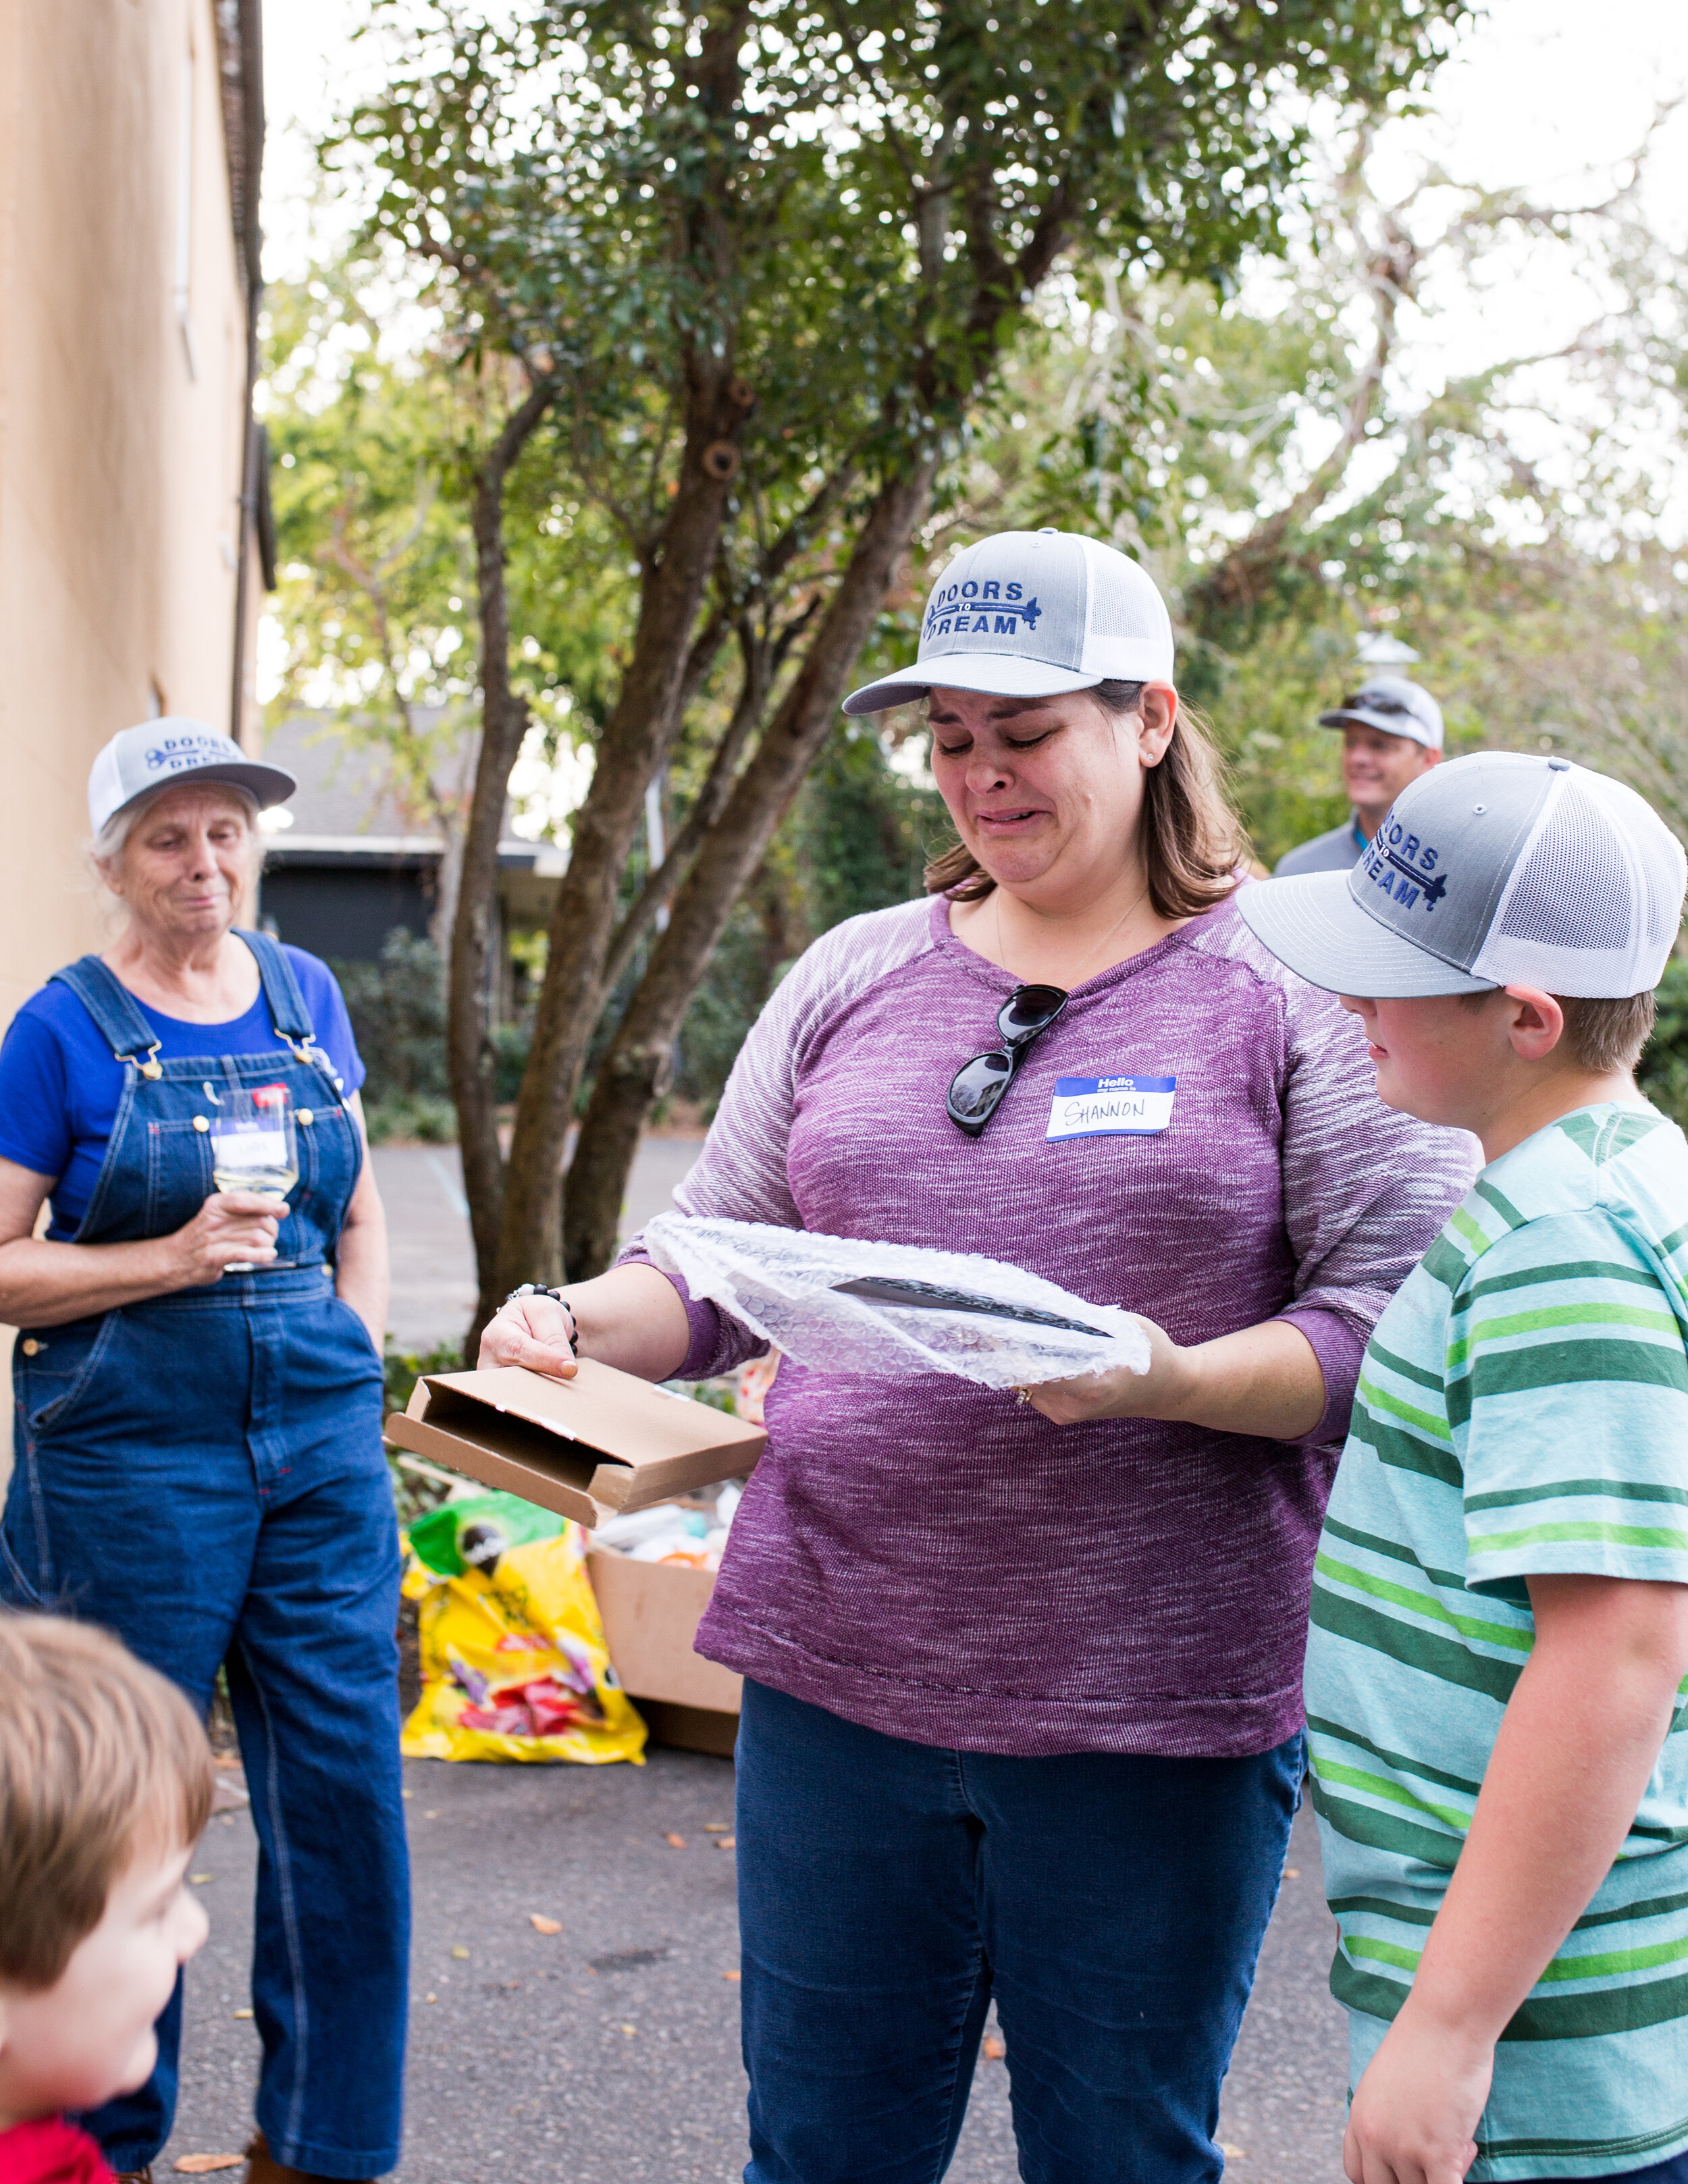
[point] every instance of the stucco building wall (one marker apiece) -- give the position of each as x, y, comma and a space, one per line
122, 407
123, 361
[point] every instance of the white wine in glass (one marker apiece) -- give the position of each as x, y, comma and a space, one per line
253, 1147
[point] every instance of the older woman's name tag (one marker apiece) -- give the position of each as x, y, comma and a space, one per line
1110, 1107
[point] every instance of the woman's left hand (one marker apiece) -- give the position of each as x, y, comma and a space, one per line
1155, 1394
1265, 1380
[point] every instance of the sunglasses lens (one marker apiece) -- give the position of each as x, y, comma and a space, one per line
1030, 1009
978, 1086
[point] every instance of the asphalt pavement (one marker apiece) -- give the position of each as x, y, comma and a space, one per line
608, 2052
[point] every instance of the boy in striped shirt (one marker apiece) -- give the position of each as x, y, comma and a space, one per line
1500, 1612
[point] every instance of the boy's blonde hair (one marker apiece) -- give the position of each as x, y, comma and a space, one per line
1599, 1035
96, 1752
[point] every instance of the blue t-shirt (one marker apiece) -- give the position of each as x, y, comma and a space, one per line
59, 1081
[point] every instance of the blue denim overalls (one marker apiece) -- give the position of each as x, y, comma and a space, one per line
203, 1473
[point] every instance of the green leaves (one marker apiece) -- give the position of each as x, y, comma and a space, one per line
849, 202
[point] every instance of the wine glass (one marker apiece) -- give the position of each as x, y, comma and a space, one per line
253, 1147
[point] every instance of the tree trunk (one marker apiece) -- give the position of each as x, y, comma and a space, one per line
468, 1051
634, 1070
676, 565
706, 809
636, 742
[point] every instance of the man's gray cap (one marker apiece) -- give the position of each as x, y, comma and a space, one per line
164, 753
1033, 614
1391, 705
1502, 869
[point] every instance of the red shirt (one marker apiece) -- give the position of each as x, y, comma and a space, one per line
50, 2151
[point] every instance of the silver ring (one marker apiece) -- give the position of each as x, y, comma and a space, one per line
1023, 1395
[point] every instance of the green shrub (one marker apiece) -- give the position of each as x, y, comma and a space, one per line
424, 1116
412, 1494
397, 1005
403, 1369
1663, 1071
512, 1043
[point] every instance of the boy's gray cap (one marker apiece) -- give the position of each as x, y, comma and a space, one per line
161, 754
1393, 705
1497, 869
1031, 614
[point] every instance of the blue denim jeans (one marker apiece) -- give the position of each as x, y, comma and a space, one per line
203, 1474
1113, 1906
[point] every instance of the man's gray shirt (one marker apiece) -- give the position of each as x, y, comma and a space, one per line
1337, 851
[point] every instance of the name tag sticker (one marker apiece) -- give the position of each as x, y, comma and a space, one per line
247, 1145
1110, 1107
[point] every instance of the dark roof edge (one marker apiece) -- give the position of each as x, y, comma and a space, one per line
384, 852
239, 53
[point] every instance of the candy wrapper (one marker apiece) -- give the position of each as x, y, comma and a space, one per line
893, 1310
514, 1661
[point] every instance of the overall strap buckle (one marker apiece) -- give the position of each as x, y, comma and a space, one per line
308, 1052
114, 1010
288, 1010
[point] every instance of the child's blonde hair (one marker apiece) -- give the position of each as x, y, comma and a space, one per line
96, 1752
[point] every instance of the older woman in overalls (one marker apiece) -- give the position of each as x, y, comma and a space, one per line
198, 1461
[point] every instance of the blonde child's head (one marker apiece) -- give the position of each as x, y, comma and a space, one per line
105, 1783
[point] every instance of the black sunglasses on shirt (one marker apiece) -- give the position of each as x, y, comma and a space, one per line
976, 1090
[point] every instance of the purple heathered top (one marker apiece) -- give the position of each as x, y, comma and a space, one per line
938, 1562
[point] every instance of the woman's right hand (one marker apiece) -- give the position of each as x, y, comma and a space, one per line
229, 1227
532, 1331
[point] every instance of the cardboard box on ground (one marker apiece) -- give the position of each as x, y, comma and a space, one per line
601, 1445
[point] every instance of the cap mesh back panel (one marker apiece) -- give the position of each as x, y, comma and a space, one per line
1573, 890
1664, 891
1115, 613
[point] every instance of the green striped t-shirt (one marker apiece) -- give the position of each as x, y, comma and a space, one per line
1522, 1408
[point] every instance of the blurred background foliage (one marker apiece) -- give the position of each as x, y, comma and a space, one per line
1663, 1073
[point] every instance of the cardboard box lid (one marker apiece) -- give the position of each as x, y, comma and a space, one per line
587, 1448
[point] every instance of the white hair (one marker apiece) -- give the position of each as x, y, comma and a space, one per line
105, 851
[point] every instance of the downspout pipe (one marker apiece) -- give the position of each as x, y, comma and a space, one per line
251, 241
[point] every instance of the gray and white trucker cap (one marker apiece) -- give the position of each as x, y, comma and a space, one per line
1497, 869
1392, 705
160, 754
1031, 614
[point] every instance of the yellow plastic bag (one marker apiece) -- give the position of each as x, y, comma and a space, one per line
514, 1663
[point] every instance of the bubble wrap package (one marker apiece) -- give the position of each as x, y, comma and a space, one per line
784, 1283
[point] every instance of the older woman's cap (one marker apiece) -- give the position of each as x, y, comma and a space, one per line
1394, 705
1502, 869
161, 754
1030, 613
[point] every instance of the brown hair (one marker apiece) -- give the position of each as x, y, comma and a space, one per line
1193, 841
1599, 1035
95, 1751
1607, 1035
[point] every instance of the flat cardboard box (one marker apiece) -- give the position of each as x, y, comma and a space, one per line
651, 1611
587, 1448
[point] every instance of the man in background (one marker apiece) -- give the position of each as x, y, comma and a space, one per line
1392, 734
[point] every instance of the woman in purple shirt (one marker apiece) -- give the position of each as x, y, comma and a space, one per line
1022, 1713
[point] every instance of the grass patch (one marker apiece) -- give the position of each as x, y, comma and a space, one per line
413, 1494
